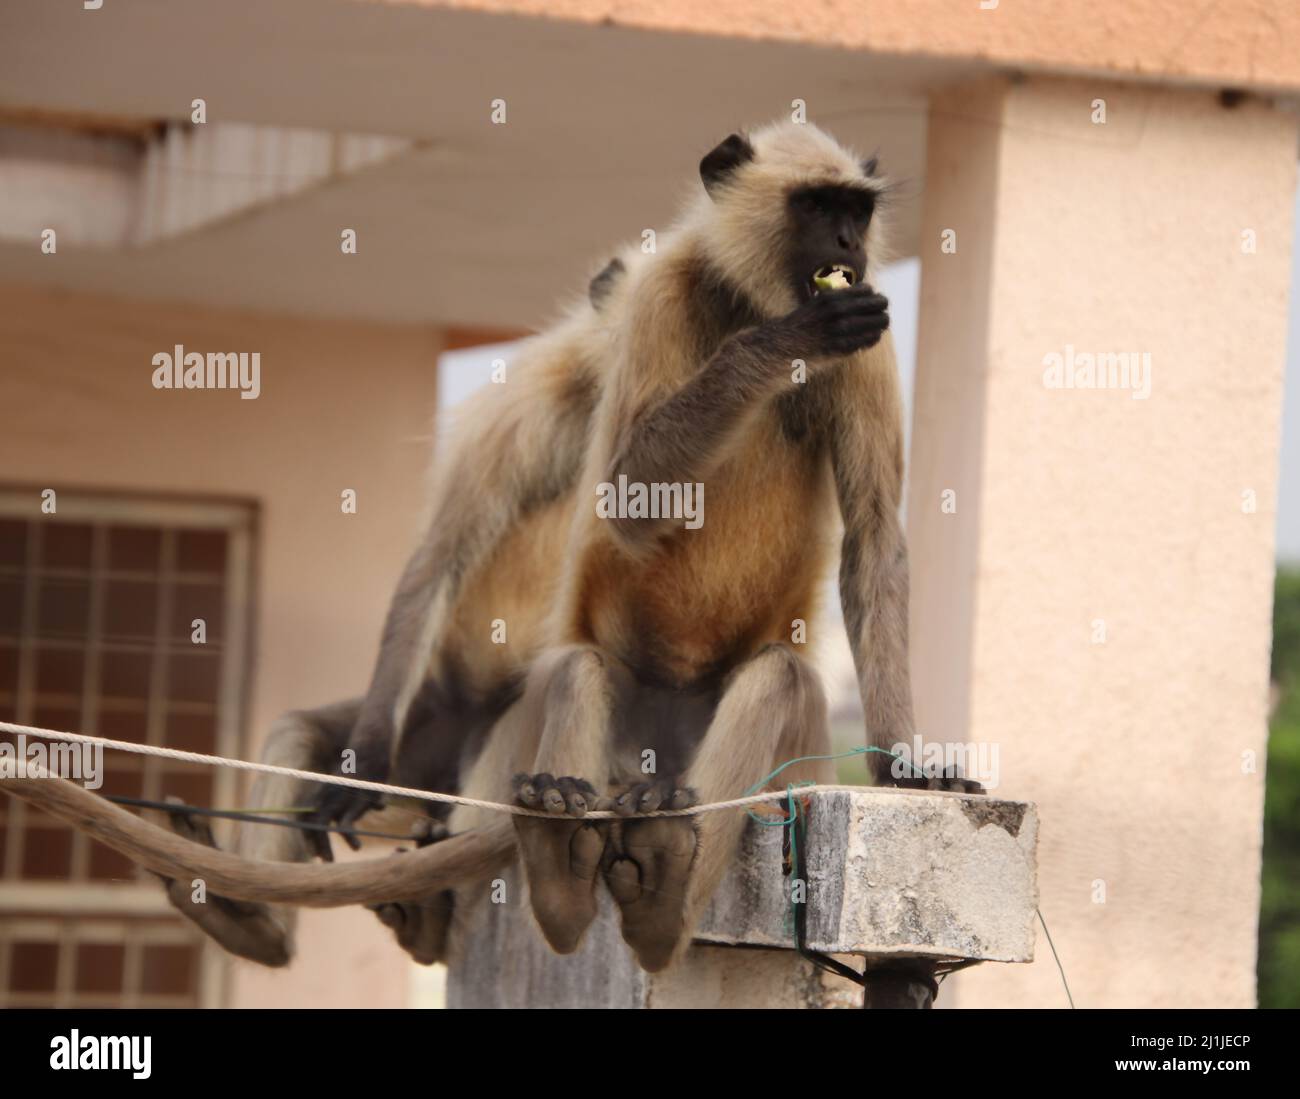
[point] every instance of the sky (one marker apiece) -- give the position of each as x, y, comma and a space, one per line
464, 371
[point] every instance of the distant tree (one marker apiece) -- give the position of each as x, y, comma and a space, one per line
1279, 915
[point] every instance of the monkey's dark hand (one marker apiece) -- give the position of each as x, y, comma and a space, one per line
833, 324
343, 806
949, 779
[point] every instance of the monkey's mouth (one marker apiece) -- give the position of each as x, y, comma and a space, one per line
833, 276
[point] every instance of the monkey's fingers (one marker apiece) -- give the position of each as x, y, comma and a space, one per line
349, 817
344, 806
188, 825
856, 334
863, 297
319, 842
949, 779
858, 319
857, 300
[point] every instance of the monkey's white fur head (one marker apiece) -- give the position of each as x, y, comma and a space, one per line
742, 226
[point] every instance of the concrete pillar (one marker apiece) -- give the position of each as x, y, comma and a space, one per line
1098, 607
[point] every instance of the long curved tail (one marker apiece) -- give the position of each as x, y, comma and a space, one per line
464, 858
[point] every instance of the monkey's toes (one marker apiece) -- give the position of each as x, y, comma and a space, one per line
567, 796
647, 797
623, 879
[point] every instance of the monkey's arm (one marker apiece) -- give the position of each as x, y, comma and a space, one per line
680, 434
866, 454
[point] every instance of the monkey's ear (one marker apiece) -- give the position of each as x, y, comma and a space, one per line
870, 165
725, 159
600, 287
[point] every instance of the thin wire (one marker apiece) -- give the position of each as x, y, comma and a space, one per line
1055, 955
253, 816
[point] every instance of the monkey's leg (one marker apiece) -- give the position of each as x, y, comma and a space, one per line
308, 740
569, 694
511, 746
773, 709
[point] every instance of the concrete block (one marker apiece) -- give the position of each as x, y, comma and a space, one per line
893, 872
889, 873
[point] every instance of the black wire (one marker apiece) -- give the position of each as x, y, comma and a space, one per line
254, 818
799, 847
797, 826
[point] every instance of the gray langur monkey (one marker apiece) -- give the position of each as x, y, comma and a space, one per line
753, 359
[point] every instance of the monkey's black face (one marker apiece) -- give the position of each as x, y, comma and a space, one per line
828, 238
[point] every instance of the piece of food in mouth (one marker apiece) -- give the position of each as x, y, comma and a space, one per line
835, 276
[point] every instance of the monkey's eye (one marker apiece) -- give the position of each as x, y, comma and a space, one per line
808, 203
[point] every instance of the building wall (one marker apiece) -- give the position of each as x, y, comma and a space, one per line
1100, 601
343, 405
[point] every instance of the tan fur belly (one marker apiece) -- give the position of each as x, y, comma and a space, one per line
714, 596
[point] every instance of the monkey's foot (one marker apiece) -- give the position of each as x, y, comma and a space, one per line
249, 930
421, 929
949, 780
560, 855
647, 869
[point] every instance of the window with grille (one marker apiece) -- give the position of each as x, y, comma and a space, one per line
98, 605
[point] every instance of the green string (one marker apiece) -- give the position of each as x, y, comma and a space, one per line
860, 751
792, 915
790, 787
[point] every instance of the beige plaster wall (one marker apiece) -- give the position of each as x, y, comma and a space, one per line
342, 406
1087, 506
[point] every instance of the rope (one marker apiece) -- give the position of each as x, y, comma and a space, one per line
398, 791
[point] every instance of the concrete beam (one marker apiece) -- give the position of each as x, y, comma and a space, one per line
1144, 40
